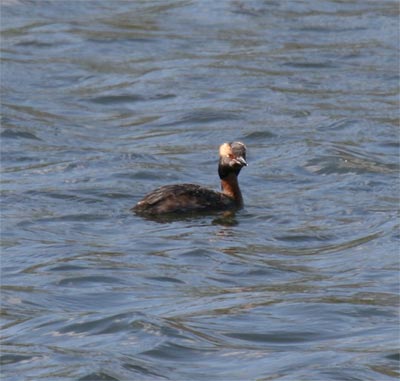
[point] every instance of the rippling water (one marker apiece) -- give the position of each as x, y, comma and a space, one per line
103, 101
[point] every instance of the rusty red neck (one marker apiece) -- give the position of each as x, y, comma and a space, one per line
230, 188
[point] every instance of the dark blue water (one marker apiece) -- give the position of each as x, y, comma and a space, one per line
103, 101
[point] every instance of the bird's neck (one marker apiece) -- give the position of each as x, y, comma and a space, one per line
230, 188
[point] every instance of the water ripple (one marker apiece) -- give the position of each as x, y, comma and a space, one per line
103, 102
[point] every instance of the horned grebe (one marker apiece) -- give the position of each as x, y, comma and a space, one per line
180, 198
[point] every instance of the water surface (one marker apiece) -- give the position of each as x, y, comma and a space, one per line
104, 101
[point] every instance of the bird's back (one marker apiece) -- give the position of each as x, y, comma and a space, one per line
183, 198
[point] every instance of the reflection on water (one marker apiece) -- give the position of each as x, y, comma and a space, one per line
104, 101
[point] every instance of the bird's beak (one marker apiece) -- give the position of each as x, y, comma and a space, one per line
240, 160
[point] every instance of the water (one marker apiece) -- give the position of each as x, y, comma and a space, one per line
104, 101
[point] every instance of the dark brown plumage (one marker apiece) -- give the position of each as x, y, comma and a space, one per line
181, 198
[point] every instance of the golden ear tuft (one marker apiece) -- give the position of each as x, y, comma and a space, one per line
225, 150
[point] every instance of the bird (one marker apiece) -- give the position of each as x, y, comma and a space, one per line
187, 198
